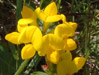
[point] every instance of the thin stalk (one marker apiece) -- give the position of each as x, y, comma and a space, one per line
17, 64
12, 4
41, 2
58, 5
24, 2
18, 10
21, 68
34, 62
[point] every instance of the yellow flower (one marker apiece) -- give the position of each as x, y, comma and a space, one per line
29, 17
50, 47
70, 44
68, 67
12, 37
49, 15
73, 24
27, 35
65, 31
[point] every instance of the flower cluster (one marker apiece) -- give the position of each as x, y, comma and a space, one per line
55, 45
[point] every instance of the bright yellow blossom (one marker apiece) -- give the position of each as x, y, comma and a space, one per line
55, 47
68, 67
65, 32
70, 44
73, 24
49, 15
27, 35
29, 17
51, 44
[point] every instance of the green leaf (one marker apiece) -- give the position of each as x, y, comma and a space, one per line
33, 63
7, 63
39, 73
18, 10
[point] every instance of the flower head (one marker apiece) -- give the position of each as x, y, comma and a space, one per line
27, 35
49, 15
67, 66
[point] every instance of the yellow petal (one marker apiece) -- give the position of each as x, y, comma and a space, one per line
64, 31
53, 18
37, 10
74, 25
31, 34
79, 62
53, 57
45, 46
12, 37
42, 16
70, 44
37, 39
22, 23
51, 9
56, 44
26, 34
27, 12
50, 41
28, 51
66, 68
63, 18
65, 56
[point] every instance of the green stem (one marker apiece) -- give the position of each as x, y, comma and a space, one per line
58, 5
17, 64
21, 68
34, 62
18, 10
41, 2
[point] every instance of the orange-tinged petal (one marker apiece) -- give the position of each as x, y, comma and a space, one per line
51, 9
70, 44
53, 18
27, 12
28, 51
64, 31
12, 37
79, 62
